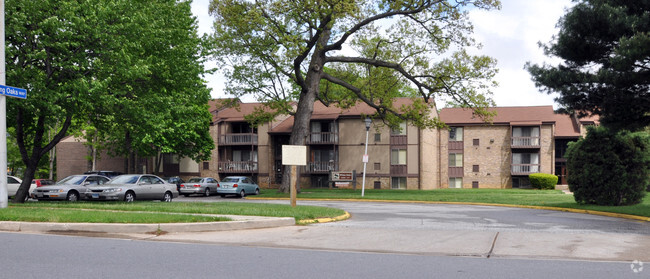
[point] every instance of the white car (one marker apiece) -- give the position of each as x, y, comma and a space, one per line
13, 183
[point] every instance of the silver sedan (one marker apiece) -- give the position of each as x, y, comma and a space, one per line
70, 188
199, 185
129, 187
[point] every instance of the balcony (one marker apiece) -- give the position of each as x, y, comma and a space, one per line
524, 169
323, 138
525, 142
238, 139
321, 167
238, 167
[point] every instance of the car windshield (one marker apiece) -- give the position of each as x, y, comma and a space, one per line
73, 180
124, 179
195, 180
230, 179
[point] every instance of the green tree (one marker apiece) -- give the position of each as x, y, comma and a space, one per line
605, 48
343, 51
609, 168
155, 83
91, 62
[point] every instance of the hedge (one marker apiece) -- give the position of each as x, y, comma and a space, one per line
543, 181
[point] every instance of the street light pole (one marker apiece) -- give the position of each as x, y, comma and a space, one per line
368, 122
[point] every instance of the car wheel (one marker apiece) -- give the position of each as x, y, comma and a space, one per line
242, 194
129, 196
167, 197
257, 191
72, 196
207, 192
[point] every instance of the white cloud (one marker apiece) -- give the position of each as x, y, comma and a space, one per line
510, 35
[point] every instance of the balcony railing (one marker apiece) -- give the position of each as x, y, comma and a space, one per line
525, 142
237, 166
321, 167
323, 138
524, 169
238, 139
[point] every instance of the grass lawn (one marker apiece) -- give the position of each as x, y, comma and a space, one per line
154, 212
550, 198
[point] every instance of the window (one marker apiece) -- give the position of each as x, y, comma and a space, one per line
377, 185
400, 130
475, 142
377, 166
398, 183
521, 182
456, 134
377, 137
455, 182
206, 165
525, 162
398, 157
525, 131
456, 160
475, 184
475, 168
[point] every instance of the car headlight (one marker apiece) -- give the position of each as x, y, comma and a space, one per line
111, 190
61, 191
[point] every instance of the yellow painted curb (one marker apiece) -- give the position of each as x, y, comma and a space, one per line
324, 220
564, 209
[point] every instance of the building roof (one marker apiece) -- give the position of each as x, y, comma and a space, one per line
565, 125
321, 112
505, 115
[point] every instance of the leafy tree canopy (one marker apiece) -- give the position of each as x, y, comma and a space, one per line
605, 48
342, 51
111, 65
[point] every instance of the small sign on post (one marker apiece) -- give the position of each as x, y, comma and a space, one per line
294, 155
13, 92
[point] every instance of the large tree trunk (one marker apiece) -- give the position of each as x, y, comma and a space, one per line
305, 107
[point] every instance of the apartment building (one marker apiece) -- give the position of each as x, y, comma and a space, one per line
501, 154
469, 154
335, 144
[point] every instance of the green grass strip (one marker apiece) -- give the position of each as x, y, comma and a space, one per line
548, 198
299, 213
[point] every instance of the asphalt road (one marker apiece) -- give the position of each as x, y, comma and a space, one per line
49, 256
416, 216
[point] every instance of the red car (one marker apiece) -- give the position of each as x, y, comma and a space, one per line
42, 182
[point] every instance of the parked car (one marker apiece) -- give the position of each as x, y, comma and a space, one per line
109, 174
129, 187
175, 180
199, 185
237, 185
42, 182
71, 188
12, 185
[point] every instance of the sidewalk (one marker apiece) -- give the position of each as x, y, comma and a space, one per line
487, 244
239, 223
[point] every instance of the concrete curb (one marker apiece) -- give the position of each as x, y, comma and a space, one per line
239, 223
564, 209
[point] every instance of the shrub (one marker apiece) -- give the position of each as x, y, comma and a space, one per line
543, 181
608, 168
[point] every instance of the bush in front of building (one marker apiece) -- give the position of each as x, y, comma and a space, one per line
609, 168
543, 181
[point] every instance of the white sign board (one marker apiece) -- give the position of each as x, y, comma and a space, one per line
295, 155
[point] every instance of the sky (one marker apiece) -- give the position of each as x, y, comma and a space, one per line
509, 35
